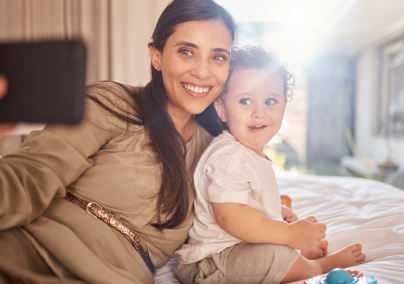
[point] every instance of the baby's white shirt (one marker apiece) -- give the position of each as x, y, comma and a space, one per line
228, 172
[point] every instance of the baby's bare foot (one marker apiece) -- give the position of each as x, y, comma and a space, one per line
318, 252
349, 256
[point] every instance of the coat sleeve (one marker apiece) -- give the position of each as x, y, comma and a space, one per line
51, 159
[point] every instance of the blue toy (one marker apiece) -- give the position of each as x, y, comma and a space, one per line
341, 276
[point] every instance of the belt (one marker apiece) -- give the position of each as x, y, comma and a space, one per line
97, 211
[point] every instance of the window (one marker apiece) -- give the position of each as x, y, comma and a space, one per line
391, 92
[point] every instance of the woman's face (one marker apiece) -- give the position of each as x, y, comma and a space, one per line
194, 64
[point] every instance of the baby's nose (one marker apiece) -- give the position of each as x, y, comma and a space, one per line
259, 112
259, 115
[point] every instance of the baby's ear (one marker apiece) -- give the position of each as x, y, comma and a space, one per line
220, 109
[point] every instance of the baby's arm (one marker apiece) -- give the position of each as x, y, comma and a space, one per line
319, 251
249, 225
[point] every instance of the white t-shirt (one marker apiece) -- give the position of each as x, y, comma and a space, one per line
228, 172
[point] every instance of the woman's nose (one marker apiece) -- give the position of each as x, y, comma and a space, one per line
201, 69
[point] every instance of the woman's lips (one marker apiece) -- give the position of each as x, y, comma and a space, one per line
257, 128
197, 91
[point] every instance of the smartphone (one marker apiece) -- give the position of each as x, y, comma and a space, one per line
46, 81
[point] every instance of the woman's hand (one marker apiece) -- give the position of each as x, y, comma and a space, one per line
288, 215
4, 128
3, 86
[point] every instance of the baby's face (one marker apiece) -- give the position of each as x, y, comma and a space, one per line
253, 107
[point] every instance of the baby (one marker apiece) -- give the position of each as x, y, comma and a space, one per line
241, 232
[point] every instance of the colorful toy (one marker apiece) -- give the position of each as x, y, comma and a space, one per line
341, 276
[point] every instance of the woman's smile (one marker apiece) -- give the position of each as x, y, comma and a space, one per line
197, 91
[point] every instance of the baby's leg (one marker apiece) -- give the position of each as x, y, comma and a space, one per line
304, 268
243, 263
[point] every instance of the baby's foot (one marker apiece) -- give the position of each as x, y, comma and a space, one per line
318, 252
349, 256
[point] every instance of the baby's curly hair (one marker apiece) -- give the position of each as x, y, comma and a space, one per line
256, 57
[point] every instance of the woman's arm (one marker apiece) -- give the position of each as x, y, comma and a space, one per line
47, 162
249, 225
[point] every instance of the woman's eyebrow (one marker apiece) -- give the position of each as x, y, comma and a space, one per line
186, 43
221, 50
190, 44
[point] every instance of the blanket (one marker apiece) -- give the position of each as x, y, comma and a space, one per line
355, 211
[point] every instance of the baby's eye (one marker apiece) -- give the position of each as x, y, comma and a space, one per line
245, 101
270, 102
186, 52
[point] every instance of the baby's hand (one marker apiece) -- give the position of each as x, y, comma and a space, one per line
306, 233
288, 215
319, 251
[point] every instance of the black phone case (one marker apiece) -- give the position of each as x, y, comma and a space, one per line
46, 81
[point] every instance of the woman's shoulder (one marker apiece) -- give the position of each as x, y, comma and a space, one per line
112, 87
110, 107
112, 94
113, 98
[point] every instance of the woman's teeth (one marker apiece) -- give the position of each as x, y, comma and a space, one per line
195, 89
258, 126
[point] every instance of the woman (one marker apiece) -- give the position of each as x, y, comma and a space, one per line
133, 156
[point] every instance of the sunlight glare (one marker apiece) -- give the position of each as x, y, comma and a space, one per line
297, 24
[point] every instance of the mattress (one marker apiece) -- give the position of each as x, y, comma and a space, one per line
355, 211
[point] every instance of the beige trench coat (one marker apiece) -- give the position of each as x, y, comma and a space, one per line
46, 239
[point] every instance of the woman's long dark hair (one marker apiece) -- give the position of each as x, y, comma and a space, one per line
150, 107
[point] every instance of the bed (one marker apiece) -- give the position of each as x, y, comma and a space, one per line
355, 211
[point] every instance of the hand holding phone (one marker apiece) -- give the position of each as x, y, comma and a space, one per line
46, 82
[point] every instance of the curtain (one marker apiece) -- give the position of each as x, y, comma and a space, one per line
116, 32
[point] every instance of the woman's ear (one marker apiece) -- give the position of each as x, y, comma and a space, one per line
220, 109
155, 57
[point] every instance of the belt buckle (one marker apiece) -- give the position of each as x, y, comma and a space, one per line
88, 208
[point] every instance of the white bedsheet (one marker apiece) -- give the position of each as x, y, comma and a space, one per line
355, 211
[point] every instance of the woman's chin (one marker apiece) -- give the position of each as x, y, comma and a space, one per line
194, 110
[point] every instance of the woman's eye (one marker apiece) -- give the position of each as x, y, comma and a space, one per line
186, 52
220, 57
245, 101
270, 102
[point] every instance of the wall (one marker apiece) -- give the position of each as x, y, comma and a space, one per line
330, 112
369, 143
116, 31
